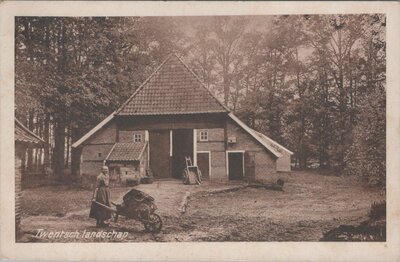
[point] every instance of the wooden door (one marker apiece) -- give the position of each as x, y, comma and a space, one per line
203, 162
249, 166
160, 162
235, 166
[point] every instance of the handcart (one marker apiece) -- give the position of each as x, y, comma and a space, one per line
191, 174
139, 206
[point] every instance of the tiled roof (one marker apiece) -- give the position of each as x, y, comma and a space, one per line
24, 135
126, 151
172, 89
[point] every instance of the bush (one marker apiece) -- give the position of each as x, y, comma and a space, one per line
378, 210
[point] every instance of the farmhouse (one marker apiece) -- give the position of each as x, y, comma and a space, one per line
172, 115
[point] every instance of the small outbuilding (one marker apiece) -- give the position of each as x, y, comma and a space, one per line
127, 162
24, 138
173, 115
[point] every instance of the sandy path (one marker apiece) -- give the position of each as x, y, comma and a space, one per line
310, 205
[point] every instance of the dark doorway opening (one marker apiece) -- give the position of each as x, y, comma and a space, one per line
182, 146
159, 153
235, 166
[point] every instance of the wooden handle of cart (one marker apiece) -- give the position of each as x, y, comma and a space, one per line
105, 207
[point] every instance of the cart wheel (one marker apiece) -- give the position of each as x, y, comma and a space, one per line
154, 224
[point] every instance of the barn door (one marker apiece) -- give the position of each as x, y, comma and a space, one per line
160, 162
182, 146
249, 166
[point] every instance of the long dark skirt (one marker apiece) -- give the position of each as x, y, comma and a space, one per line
97, 211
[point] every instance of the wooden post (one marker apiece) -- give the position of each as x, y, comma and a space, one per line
195, 147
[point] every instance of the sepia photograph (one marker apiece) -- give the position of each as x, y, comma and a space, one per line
200, 128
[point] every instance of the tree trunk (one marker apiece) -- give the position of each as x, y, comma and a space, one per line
46, 137
226, 87
75, 161
36, 159
303, 159
59, 147
23, 161
30, 150
68, 146
60, 117
75, 152
38, 150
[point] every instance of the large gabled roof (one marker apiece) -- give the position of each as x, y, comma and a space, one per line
24, 135
172, 89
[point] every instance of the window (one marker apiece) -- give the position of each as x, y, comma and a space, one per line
137, 137
203, 135
99, 154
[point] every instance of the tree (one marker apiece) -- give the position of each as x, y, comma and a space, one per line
367, 154
78, 70
200, 56
335, 40
225, 41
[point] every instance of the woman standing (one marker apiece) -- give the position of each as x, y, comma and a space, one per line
101, 195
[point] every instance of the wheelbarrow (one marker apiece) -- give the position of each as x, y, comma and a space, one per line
139, 206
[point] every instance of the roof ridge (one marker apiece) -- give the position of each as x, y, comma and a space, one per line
202, 84
143, 84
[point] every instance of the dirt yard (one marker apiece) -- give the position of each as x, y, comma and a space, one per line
310, 205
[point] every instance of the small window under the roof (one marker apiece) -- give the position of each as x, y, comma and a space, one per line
204, 135
137, 138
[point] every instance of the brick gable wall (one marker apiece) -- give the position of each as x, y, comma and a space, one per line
265, 163
101, 142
